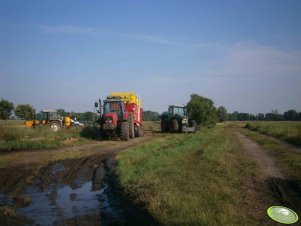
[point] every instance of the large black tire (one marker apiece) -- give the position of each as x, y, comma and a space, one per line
104, 135
131, 127
55, 125
193, 124
139, 131
124, 131
164, 126
174, 126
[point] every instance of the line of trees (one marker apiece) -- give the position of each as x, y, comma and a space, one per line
290, 115
202, 109
27, 112
151, 116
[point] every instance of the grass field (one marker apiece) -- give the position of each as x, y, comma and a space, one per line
189, 179
12, 122
14, 136
288, 131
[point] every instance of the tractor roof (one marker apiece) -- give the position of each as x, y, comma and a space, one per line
181, 106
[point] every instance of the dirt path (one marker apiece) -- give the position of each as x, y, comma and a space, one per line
28, 158
73, 190
270, 187
265, 162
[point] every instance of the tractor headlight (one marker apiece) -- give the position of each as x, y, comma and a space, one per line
185, 120
109, 120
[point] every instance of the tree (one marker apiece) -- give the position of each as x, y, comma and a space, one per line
243, 116
222, 114
233, 116
61, 112
151, 116
6, 109
291, 115
202, 110
89, 116
260, 117
25, 111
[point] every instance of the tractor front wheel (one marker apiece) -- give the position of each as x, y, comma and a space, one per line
55, 126
131, 127
124, 131
193, 124
174, 126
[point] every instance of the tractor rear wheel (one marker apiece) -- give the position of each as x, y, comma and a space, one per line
164, 126
131, 127
55, 126
174, 127
124, 131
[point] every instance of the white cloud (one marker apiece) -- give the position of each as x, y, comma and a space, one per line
258, 60
70, 29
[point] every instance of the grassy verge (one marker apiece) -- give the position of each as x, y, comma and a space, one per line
189, 179
12, 122
290, 162
22, 138
288, 131
154, 126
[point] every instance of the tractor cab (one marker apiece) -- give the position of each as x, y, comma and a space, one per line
48, 115
113, 111
177, 110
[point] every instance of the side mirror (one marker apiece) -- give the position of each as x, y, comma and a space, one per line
96, 104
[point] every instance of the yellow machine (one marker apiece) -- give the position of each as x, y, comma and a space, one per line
128, 97
51, 118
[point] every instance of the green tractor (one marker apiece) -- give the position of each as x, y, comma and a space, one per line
177, 120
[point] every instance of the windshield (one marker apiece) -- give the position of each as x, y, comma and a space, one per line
177, 110
112, 107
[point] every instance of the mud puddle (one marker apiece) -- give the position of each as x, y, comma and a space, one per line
287, 192
67, 192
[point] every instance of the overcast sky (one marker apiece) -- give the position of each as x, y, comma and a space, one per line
244, 55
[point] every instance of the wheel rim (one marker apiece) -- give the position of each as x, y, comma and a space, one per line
55, 127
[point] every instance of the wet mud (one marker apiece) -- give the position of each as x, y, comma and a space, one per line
286, 192
71, 192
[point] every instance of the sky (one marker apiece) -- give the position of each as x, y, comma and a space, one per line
244, 55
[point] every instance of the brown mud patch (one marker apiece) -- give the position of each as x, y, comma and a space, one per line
77, 191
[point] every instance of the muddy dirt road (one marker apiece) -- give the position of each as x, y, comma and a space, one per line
77, 191
270, 187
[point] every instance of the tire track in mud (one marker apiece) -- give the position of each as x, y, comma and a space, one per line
270, 187
80, 191
27, 158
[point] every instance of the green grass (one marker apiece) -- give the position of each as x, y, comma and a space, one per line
12, 122
290, 162
288, 131
189, 179
22, 138
152, 126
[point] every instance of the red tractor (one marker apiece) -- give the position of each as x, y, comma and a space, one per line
122, 116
